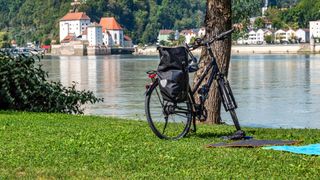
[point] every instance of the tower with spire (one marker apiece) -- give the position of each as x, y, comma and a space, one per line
265, 8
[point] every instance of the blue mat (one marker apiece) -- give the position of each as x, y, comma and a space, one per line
312, 149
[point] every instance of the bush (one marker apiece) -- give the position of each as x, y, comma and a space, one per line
23, 86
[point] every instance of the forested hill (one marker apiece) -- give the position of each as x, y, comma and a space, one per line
31, 20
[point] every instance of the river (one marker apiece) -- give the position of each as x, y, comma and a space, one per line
271, 90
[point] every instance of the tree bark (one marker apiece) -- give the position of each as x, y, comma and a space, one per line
217, 20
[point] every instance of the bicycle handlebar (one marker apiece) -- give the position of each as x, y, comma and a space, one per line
201, 42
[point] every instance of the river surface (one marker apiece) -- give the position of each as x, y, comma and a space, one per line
271, 90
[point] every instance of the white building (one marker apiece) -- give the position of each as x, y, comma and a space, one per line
252, 38
202, 32
291, 35
303, 35
112, 32
189, 35
280, 35
260, 36
73, 24
94, 35
285, 36
315, 29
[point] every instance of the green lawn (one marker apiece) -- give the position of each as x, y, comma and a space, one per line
34, 145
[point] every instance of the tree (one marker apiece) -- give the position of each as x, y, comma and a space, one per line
269, 39
4, 40
181, 40
47, 42
171, 37
217, 20
258, 23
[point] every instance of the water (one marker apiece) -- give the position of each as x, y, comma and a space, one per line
271, 90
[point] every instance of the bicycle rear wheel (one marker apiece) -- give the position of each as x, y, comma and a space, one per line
167, 120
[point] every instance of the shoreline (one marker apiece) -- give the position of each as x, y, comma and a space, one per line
250, 49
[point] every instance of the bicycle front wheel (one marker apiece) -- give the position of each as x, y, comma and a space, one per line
166, 119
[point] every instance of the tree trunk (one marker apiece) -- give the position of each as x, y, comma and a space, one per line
217, 20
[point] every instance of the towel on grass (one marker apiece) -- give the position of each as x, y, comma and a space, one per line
312, 149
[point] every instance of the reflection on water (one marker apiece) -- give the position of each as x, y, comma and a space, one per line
271, 90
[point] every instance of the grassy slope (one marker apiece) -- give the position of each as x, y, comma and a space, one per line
55, 145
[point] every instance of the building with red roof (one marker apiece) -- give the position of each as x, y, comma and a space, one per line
73, 23
112, 32
77, 26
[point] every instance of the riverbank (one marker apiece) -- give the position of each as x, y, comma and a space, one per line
250, 49
49, 146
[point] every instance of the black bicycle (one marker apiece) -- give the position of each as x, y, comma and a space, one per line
173, 119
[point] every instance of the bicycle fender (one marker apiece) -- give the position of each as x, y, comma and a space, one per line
148, 91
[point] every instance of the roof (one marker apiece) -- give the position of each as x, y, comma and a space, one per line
94, 25
109, 23
75, 16
165, 31
68, 38
127, 38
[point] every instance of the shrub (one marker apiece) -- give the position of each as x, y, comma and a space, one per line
23, 86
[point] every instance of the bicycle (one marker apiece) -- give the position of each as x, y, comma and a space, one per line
173, 120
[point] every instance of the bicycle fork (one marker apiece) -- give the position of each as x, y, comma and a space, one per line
228, 99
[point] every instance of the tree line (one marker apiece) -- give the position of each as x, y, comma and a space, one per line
37, 20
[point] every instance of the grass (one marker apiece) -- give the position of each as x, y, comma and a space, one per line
45, 146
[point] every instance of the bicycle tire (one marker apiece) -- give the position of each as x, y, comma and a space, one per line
157, 121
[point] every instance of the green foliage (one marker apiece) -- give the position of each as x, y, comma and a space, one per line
23, 86
181, 40
259, 23
171, 37
59, 146
4, 40
274, 16
302, 13
142, 19
269, 39
38, 20
242, 10
47, 42
32, 20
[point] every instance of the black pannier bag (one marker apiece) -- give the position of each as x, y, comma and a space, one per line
173, 73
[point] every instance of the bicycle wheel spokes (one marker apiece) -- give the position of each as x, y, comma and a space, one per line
167, 120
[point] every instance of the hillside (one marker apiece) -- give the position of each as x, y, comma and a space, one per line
31, 20
37, 20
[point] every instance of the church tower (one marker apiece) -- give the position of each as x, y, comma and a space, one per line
265, 8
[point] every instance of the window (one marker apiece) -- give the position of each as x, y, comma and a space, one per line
115, 36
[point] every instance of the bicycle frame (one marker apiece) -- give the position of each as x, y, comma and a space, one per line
215, 70
226, 94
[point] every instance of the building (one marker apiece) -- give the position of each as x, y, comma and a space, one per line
314, 29
260, 36
164, 35
252, 37
112, 32
202, 32
291, 35
94, 34
280, 36
73, 24
303, 35
189, 34
127, 41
